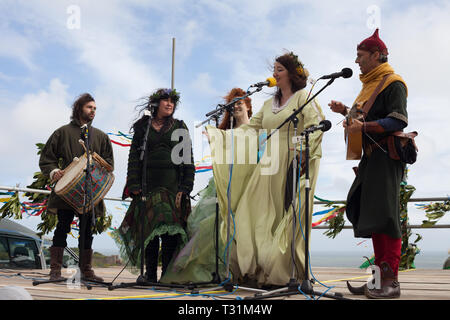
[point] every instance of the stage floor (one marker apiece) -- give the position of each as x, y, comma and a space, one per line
417, 284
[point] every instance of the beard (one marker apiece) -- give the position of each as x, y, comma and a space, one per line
87, 117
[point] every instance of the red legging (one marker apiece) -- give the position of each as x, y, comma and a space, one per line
387, 249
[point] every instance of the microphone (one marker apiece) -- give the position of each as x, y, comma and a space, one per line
324, 125
150, 109
84, 131
270, 82
345, 73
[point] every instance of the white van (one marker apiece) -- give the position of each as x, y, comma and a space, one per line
21, 248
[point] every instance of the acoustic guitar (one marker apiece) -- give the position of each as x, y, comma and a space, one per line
353, 140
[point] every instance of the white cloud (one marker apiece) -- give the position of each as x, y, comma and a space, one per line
29, 121
16, 46
203, 84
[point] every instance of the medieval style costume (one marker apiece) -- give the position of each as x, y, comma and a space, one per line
164, 179
261, 225
59, 151
373, 205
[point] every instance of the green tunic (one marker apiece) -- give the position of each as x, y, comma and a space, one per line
373, 200
64, 144
164, 180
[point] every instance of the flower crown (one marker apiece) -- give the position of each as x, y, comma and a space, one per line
165, 94
298, 65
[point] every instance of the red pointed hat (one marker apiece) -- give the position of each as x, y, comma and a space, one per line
373, 43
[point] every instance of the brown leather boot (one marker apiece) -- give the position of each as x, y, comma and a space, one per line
56, 260
361, 289
357, 290
390, 287
86, 268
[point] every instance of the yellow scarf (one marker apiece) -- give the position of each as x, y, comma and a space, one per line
373, 78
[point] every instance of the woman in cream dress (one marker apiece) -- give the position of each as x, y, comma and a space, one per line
260, 230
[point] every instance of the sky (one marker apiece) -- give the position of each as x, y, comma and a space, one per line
120, 51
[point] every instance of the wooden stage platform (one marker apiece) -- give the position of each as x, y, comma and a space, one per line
416, 284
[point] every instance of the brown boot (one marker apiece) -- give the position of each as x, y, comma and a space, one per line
86, 268
56, 260
357, 290
361, 289
390, 287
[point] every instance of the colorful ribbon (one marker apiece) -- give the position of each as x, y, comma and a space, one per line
329, 214
126, 138
203, 165
35, 208
4, 200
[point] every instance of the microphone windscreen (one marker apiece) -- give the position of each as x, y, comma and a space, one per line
272, 82
347, 73
326, 125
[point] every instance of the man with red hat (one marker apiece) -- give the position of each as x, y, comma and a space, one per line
373, 200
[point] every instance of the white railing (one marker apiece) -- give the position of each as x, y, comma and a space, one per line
412, 226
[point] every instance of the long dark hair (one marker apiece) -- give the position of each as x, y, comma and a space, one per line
298, 76
151, 103
77, 106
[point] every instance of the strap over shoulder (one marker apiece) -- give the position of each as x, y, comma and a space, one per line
368, 105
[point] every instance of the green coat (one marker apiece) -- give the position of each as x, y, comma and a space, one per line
64, 144
164, 180
373, 200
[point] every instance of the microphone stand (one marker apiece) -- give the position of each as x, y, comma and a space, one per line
142, 281
216, 274
293, 286
87, 220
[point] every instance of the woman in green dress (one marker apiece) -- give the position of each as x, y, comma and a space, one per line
259, 204
196, 261
169, 181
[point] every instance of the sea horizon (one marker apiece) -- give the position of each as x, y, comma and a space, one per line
425, 259
353, 259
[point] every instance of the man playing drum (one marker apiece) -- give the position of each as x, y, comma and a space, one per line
59, 151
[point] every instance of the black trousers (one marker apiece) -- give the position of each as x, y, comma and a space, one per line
168, 247
63, 227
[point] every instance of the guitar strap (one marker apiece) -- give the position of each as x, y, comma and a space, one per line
368, 105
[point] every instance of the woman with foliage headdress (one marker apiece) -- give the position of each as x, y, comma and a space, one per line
261, 193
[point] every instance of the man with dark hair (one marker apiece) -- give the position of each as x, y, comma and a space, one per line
373, 200
59, 151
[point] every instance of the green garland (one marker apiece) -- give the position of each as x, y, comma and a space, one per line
170, 93
434, 212
409, 250
336, 224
